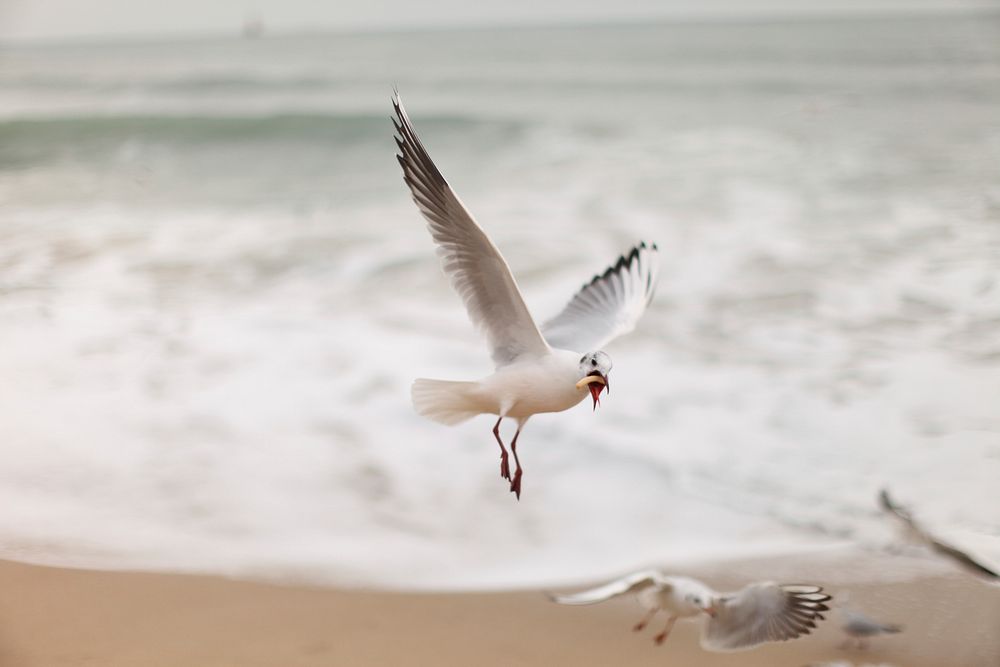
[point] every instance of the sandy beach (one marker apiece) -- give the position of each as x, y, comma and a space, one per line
216, 293
54, 616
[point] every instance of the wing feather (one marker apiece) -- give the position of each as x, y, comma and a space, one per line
764, 612
632, 583
609, 305
475, 267
919, 534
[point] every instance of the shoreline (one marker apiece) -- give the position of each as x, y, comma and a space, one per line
60, 616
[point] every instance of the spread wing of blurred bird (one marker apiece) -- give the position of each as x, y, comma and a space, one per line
764, 612
758, 613
917, 533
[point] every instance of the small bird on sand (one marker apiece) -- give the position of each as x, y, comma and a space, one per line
760, 612
538, 369
860, 627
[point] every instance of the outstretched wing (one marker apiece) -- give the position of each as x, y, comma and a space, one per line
764, 612
609, 305
472, 263
918, 534
632, 583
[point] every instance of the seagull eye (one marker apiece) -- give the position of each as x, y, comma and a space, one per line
583, 358
593, 362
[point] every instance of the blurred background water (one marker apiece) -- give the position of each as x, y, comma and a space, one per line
214, 293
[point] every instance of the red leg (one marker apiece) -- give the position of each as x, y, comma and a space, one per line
515, 484
641, 625
662, 637
504, 466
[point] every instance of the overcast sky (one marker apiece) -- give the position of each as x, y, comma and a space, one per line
47, 19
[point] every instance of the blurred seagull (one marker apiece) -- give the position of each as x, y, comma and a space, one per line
547, 369
860, 627
761, 612
916, 533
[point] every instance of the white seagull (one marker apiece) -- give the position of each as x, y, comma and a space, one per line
547, 369
761, 612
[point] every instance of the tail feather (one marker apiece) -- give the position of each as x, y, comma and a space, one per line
444, 401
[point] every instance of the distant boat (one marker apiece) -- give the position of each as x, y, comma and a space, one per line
253, 28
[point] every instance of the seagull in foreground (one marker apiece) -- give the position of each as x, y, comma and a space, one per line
916, 533
538, 369
761, 612
860, 627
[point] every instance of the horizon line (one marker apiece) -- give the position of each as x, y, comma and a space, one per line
678, 18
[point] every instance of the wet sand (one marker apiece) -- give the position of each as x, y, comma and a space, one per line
55, 616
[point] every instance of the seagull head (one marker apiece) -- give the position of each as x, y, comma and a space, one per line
594, 370
703, 602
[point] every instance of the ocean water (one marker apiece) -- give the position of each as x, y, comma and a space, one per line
215, 292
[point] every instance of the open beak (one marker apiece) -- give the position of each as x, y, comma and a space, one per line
596, 383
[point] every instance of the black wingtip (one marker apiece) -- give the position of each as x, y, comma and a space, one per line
884, 501
887, 504
624, 261
397, 108
397, 119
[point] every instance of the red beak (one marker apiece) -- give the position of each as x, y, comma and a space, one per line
595, 390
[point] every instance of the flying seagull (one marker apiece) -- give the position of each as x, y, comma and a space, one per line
761, 612
916, 533
538, 369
